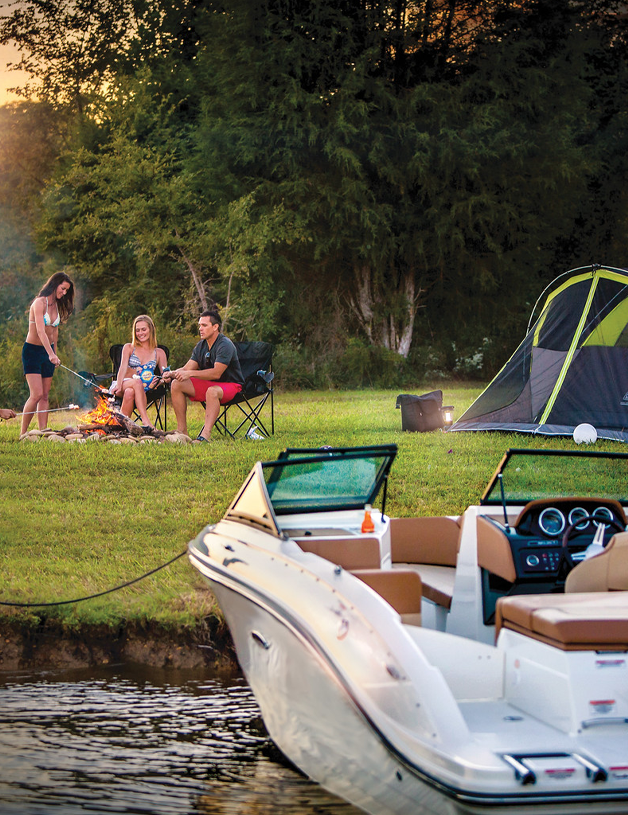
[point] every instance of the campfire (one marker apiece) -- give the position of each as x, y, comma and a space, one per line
106, 418
105, 422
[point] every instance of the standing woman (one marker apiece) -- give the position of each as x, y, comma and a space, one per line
53, 304
140, 358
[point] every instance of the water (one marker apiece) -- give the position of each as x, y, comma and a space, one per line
137, 740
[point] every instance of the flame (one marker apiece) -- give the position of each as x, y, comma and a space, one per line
102, 414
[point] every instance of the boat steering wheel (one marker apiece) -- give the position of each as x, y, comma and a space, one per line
566, 554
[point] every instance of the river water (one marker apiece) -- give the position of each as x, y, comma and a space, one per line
129, 739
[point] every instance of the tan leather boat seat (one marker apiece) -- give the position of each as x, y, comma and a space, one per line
429, 547
401, 588
350, 553
593, 621
607, 571
437, 581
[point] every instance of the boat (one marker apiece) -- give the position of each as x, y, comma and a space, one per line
453, 664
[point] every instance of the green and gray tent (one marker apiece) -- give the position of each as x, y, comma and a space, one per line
572, 366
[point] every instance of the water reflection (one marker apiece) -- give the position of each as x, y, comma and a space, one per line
133, 740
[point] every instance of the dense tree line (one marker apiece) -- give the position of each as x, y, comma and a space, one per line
380, 188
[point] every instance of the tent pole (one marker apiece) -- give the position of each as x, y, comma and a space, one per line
570, 354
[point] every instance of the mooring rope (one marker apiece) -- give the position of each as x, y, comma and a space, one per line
100, 593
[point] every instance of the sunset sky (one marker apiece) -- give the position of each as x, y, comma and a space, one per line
8, 79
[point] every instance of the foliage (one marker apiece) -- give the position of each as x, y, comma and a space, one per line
352, 182
20, 271
70, 48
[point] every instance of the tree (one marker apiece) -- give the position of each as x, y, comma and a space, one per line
430, 152
128, 211
30, 134
69, 47
415, 164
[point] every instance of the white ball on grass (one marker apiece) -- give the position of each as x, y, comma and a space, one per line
585, 434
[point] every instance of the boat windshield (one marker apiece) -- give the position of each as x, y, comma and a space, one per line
528, 475
327, 479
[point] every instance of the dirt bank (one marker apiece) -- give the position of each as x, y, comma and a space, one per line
50, 646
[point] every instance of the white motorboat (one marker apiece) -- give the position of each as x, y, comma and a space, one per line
468, 664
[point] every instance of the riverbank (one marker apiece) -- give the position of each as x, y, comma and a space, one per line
51, 646
93, 537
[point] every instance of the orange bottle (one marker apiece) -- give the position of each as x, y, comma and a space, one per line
367, 523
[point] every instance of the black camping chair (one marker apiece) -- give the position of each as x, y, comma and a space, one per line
256, 361
155, 397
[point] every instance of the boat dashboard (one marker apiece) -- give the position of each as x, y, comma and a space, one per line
525, 557
537, 538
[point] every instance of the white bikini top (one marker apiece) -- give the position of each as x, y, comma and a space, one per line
47, 317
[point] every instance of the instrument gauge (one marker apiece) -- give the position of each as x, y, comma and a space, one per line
577, 513
552, 521
603, 513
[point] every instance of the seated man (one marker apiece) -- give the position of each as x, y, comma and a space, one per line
211, 375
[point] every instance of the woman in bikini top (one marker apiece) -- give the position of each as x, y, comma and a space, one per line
53, 305
146, 370
140, 359
56, 298
47, 320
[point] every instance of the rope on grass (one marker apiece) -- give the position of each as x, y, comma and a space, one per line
100, 593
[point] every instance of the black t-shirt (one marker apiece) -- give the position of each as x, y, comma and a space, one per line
224, 351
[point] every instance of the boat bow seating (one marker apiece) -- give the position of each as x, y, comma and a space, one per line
350, 553
428, 546
401, 588
591, 621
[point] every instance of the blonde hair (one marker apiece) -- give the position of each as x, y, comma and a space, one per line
152, 337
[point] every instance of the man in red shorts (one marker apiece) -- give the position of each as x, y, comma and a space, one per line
211, 375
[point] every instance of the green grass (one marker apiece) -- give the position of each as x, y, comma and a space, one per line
80, 518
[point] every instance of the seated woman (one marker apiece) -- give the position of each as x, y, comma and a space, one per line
140, 359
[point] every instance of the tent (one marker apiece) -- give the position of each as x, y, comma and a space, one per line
572, 366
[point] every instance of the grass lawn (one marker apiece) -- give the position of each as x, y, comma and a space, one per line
78, 519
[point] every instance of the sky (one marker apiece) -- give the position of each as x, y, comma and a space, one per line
9, 79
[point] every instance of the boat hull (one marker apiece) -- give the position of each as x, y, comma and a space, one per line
319, 727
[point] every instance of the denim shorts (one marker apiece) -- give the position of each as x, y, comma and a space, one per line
35, 360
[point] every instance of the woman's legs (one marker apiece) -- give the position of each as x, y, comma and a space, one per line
133, 394
42, 407
37, 402
36, 391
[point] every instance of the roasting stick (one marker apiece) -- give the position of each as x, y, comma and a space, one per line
157, 380
50, 410
70, 406
89, 381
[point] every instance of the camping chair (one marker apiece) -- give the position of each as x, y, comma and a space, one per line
156, 397
256, 361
